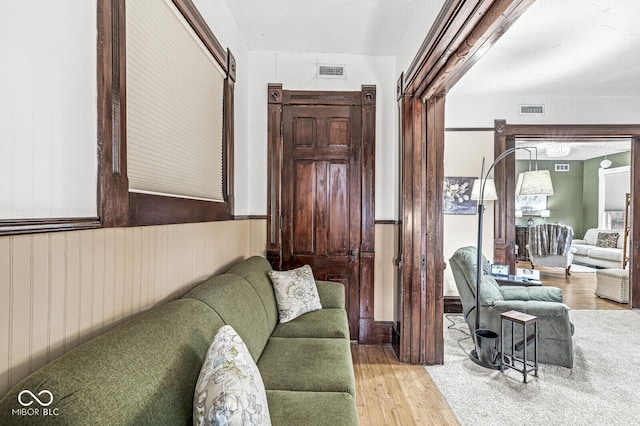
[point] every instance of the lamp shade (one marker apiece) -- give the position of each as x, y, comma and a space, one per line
490, 192
537, 182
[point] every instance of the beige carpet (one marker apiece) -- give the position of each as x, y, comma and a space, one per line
603, 388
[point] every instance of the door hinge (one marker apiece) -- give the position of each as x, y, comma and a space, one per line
281, 221
282, 127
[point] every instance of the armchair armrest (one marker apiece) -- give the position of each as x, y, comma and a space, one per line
538, 308
546, 294
580, 242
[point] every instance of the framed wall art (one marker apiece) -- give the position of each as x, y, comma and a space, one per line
457, 196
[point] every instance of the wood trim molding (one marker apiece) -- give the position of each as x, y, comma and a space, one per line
32, 226
274, 185
452, 305
387, 222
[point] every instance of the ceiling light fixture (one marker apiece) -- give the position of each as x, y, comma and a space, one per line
558, 150
606, 163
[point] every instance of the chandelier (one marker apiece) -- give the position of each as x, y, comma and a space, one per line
558, 150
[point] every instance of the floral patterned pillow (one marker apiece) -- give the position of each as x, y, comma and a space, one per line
230, 390
607, 239
296, 292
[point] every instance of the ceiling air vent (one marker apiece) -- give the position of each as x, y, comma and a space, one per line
562, 167
331, 71
531, 110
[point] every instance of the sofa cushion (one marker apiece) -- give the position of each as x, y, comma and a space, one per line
331, 294
239, 306
296, 292
312, 408
129, 374
607, 239
581, 249
306, 364
255, 270
230, 390
613, 254
329, 323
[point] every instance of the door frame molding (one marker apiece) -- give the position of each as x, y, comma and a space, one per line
504, 207
368, 331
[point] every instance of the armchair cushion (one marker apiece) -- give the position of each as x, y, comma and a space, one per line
543, 294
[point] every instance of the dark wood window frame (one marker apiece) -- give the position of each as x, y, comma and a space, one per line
118, 206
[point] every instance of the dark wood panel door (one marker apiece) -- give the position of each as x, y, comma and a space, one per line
321, 195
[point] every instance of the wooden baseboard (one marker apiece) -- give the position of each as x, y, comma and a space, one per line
375, 332
452, 305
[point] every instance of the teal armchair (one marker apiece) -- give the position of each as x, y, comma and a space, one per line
555, 329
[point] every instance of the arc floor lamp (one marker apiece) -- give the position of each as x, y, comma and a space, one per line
532, 182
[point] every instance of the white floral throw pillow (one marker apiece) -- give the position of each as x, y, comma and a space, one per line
296, 292
230, 390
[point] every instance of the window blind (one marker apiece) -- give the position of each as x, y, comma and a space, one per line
175, 92
616, 187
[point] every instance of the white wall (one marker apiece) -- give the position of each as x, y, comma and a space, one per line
481, 111
297, 71
48, 129
423, 16
463, 152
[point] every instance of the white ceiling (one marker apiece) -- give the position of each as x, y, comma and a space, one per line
364, 27
564, 48
561, 48
578, 150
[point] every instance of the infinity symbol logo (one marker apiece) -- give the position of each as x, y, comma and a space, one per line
35, 398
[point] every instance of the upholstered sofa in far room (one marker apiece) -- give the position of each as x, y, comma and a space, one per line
588, 253
144, 372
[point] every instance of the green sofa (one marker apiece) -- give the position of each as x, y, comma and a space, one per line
555, 327
144, 372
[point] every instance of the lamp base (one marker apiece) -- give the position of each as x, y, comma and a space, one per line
486, 352
473, 356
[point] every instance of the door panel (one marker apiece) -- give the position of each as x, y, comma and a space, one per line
321, 190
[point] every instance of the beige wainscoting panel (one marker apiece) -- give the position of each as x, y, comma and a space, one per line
385, 272
59, 290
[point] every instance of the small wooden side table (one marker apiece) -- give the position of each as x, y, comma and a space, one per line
516, 317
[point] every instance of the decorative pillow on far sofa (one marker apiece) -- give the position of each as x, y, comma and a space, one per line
607, 239
230, 390
296, 292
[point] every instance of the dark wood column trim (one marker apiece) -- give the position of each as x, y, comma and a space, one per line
274, 165
434, 229
462, 30
504, 221
367, 233
113, 184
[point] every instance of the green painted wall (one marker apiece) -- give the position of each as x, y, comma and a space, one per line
566, 203
590, 186
575, 201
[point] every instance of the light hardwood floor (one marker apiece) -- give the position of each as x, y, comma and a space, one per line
578, 289
391, 393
